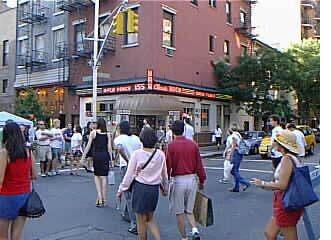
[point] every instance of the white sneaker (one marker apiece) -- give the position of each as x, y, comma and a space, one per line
54, 173
49, 174
43, 175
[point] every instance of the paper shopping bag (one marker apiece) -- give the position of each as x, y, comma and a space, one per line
203, 210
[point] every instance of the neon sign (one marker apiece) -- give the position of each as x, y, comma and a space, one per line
131, 88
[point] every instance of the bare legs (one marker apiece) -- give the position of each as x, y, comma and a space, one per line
101, 187
181, 223
146, 221
272, 230
12, 229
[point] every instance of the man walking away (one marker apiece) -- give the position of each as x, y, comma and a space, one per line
187, 173
276, 156
301, 141
57, 143
188, 129
125, 144
44, 150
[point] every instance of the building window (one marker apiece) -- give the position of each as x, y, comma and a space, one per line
80, 33
40, 43
57, 4
4, 86
24, 10
244, 50
129, 38
5, 52
168, 29
228, 12
195, 2
227, 50
212, 3
204, 115
243, 18
23, 47
58, 41
212, 39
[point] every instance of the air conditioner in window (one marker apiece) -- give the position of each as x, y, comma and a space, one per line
169, 52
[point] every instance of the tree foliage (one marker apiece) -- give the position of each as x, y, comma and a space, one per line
254, 81
28, 105
256, 78
306, 64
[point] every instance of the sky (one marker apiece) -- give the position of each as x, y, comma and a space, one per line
278, 22
11, 3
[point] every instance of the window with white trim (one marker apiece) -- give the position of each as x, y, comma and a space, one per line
168, 29
80, 33
58, 42
226, 50
212, 39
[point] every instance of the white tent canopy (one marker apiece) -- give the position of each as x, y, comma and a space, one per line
5, 116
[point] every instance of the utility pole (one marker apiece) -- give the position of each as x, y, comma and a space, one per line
95, 59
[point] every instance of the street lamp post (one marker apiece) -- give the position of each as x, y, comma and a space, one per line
95, 59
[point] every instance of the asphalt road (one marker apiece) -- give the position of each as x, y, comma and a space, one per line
72, 215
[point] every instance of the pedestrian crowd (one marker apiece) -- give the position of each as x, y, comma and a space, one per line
166, 162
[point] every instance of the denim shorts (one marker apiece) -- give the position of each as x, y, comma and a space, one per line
56, 153
10, 205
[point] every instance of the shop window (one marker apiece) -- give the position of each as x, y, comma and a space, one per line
205, 115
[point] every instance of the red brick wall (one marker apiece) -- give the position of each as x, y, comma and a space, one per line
193, 25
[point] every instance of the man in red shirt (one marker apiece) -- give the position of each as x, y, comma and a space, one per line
187, 174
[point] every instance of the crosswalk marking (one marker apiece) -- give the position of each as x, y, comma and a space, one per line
241, 169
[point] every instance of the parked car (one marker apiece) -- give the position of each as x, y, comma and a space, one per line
316, 132
309, 137
253, 140
265, 147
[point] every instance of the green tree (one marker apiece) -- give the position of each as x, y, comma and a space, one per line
305, 58
255, 80
28, 104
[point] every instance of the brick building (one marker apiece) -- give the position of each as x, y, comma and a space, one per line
310, 19
166, 69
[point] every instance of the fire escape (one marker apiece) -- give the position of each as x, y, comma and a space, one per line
83, 48
245, 27
32, 54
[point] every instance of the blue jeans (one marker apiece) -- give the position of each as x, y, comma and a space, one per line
237, 178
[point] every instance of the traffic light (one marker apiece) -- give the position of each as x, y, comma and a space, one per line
132, 21
118, 24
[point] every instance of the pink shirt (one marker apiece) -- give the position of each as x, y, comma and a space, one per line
153, 174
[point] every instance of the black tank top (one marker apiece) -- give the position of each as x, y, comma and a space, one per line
100, 142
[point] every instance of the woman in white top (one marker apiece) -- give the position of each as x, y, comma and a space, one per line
218, 136
282, 221
76, 148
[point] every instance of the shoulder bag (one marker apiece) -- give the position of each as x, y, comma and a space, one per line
300, 192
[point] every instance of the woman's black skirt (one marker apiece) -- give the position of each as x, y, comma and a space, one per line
144, 197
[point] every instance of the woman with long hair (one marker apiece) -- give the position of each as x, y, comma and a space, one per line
101, 152
16, 171
282, 221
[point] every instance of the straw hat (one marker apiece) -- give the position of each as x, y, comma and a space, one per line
288, 140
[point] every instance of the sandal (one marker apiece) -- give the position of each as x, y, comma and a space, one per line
98, 203
104, 203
